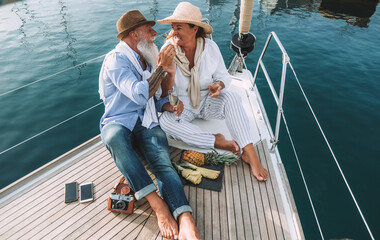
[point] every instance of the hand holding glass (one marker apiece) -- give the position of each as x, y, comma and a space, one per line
213, 88
174, 100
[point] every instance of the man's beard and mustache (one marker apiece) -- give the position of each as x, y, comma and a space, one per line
148, 50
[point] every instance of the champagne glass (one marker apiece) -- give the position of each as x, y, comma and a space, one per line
174, 100
214, 86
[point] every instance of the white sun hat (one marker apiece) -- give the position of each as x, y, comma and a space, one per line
186, 12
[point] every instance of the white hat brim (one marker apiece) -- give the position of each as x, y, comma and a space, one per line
169, 20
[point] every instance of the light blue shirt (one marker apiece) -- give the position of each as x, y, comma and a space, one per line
125, 92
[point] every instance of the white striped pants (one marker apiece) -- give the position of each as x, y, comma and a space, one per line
226, 106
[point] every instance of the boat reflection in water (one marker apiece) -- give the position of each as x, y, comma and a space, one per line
355, 12
273, 6
3, 2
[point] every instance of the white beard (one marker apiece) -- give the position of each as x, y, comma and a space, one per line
149, 51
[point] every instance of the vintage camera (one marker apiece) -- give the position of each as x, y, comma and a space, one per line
121, 202
122, 199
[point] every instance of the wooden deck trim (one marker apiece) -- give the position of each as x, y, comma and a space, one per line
292, 202
275, 207
34, 177
44, 188
47, 211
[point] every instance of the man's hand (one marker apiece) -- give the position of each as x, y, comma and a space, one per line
165, 57
165, 64
177, 110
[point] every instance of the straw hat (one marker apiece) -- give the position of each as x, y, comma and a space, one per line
187, 13
129, 21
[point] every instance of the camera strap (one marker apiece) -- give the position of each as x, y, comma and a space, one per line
122, 187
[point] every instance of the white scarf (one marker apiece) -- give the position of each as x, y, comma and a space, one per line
150, 115
182, 62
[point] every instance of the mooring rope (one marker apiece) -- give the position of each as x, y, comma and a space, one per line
245, 16
38, 134
303, 177
65, 70
332, 153
52, 75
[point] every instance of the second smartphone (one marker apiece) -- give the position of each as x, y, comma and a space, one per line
86, 192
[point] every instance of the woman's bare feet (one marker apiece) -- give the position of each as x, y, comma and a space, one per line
187, 228
168, 226
222, 143
249, 156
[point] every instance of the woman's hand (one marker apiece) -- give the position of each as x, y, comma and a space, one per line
177, 110
215, 88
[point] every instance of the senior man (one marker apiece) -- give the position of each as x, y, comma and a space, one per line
128, 84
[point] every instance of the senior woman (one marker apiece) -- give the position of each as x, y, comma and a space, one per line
199, 64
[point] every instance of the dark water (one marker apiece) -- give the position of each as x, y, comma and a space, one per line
333, 46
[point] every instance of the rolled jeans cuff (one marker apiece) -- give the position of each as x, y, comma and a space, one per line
145, 191
180, 210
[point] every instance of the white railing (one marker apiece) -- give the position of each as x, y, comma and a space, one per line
278, 98
280, 114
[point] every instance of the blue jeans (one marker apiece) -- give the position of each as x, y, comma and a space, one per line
153, 144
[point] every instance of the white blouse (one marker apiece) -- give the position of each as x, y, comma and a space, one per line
211, 68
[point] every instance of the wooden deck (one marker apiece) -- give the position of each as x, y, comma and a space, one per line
34, 208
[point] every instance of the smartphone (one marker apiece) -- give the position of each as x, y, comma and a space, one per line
71, 192
86, 193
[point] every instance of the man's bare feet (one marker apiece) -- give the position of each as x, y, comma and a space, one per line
168, 226
222, 143
249, 156
187, 228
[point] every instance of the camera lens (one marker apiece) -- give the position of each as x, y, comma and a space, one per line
120, 205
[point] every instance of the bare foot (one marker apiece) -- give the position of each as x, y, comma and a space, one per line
222, 143
249, 156
187, 228
166, 223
